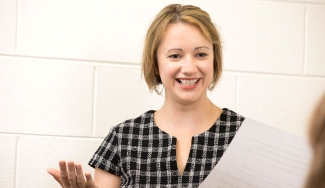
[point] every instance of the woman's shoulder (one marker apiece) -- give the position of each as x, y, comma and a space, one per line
228, 115
228, 122
142, 121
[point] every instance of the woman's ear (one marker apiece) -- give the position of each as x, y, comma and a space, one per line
157, 72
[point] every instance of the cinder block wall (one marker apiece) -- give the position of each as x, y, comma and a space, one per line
69, 71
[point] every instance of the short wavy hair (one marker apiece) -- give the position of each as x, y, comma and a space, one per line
176, 13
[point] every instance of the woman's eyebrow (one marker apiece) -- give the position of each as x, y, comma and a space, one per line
201, 47
175, 49
194, 48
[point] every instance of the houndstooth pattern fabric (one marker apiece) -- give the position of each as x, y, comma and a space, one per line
145, 156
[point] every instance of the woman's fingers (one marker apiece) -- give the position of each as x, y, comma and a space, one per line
56, 175
64, 174
80, 176
72, 174
90, 181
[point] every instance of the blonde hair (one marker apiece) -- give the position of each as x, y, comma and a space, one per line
316, 176
176, 13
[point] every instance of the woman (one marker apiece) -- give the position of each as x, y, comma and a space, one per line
315, 178
179, 144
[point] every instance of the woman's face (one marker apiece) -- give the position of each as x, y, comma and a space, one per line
185, 62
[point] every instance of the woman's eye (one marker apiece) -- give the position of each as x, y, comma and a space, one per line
201, 54
174, 56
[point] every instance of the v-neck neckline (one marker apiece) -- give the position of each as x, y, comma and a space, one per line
173, 163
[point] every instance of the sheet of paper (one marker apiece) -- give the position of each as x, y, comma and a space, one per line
261, 156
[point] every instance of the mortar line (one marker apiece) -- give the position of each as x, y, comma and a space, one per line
270, 74
73, 60
16, 163
236, 92
95, 76
17, 25
305, 40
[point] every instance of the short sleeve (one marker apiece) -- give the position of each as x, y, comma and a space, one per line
107, 156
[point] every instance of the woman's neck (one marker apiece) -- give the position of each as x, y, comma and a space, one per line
192, 119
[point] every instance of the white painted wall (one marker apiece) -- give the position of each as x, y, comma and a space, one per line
69, 70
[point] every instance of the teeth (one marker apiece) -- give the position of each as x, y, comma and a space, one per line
188, 82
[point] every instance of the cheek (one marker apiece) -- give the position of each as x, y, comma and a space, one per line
165, 72
162, 70
209, 73
209, 69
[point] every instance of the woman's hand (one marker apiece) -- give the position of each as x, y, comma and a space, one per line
72, 177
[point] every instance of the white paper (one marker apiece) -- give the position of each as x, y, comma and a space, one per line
261, 156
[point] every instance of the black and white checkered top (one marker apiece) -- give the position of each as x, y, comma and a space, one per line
145, 156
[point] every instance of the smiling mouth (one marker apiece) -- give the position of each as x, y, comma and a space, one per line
187, 82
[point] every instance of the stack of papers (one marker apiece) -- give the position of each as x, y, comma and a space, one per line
261, 156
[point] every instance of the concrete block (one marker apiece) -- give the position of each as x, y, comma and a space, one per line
121, 94
281, 101
8, 26
315, 64
258, 36
40, 96
8, 160
224, 94
105, 30
37, 153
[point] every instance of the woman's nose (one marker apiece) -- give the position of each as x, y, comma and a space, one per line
189, 66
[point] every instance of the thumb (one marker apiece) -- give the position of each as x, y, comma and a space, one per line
56, 175
90, 181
